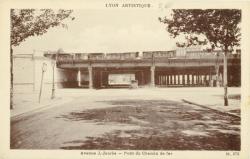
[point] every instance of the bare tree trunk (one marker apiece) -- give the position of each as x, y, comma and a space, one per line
11, 77
225, 78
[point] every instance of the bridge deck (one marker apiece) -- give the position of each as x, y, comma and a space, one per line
158, 62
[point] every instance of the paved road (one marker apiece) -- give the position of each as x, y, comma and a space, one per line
127, 120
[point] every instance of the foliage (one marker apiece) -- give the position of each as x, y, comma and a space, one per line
31, 22
219, 26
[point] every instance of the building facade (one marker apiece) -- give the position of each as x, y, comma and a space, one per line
27, 72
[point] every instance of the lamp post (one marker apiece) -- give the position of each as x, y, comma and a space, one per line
53, 63
44, 68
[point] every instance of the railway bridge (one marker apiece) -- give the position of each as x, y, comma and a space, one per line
155, 69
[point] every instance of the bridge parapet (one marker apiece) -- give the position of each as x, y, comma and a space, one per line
164, 62
158, 58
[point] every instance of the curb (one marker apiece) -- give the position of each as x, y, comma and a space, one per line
214, 110
41, 108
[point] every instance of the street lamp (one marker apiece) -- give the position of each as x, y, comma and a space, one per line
53, 63
44, 68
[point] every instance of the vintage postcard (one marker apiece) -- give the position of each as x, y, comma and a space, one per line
125, 79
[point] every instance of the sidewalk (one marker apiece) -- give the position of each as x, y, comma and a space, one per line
209, 97
28, 102
215, 101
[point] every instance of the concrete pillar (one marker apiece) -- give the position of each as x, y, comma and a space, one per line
207, 79
170, 79
174, 79
210, 80
79, 78
201, 79
163, 80
160, 80
178, 79
166, 79
198, 79
204, 80
152, 69
192, 79
183, 79
195, 79
188, 80
90, 69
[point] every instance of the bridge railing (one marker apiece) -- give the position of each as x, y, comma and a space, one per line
149, 62
134, 56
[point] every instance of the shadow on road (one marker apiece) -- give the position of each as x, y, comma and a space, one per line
164, 125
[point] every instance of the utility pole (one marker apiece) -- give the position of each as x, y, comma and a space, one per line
44, 67
53, 80
53, 62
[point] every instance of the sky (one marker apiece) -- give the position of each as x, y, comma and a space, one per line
105, 30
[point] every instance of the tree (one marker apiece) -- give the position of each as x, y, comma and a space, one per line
30, 22
26, 23
219, 27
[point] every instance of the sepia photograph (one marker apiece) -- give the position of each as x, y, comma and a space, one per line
126, 76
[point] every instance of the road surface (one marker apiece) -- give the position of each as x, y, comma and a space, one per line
129, 120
